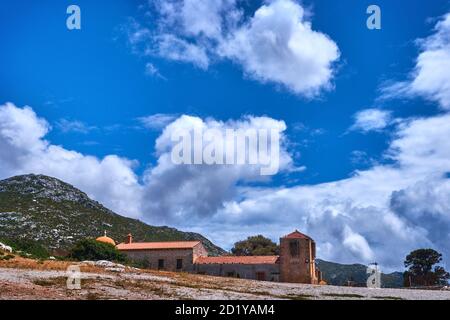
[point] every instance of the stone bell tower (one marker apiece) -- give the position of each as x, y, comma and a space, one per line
297, 259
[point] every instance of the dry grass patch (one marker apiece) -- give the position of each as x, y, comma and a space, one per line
144, 286
292, 296
388, 298
44, 282
47, 265
95, 296
61, 282
343, 295
6, 257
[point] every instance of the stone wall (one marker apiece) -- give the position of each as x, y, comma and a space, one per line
199, 251
297, 261
169, 256
265, 272
168, 259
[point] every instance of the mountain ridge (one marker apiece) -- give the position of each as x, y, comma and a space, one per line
341, 274
70, 215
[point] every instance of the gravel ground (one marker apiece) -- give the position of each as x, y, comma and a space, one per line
38, 284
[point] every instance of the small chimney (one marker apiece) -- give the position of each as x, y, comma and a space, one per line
129, 238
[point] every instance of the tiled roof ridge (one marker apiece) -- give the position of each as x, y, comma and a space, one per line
238, 260
158, 245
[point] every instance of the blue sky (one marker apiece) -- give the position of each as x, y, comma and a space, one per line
91, 86
91, 76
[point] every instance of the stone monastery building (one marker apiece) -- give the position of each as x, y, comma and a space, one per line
296, 262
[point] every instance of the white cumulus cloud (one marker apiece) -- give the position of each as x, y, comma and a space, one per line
430, 78
371, 120
276, 44
156, 121
177, 193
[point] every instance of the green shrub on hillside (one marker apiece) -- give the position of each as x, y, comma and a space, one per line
29, 248
94, 250
7, 257
141, 264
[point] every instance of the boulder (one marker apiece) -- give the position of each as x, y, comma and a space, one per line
6, 248
105, 264
115, 269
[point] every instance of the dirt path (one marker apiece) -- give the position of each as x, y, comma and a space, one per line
41, 284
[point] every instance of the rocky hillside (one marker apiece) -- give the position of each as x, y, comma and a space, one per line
57, 215
340, 274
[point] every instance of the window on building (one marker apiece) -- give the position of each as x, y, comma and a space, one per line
161, 264
294, 248
179, 264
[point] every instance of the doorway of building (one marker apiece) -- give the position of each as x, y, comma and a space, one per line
261, 276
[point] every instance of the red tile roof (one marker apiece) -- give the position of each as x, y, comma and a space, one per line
237, 260
157, 245
297, 235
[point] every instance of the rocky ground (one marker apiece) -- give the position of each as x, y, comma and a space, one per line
28, 279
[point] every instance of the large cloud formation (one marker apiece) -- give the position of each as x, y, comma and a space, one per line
177, 192
276, 44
